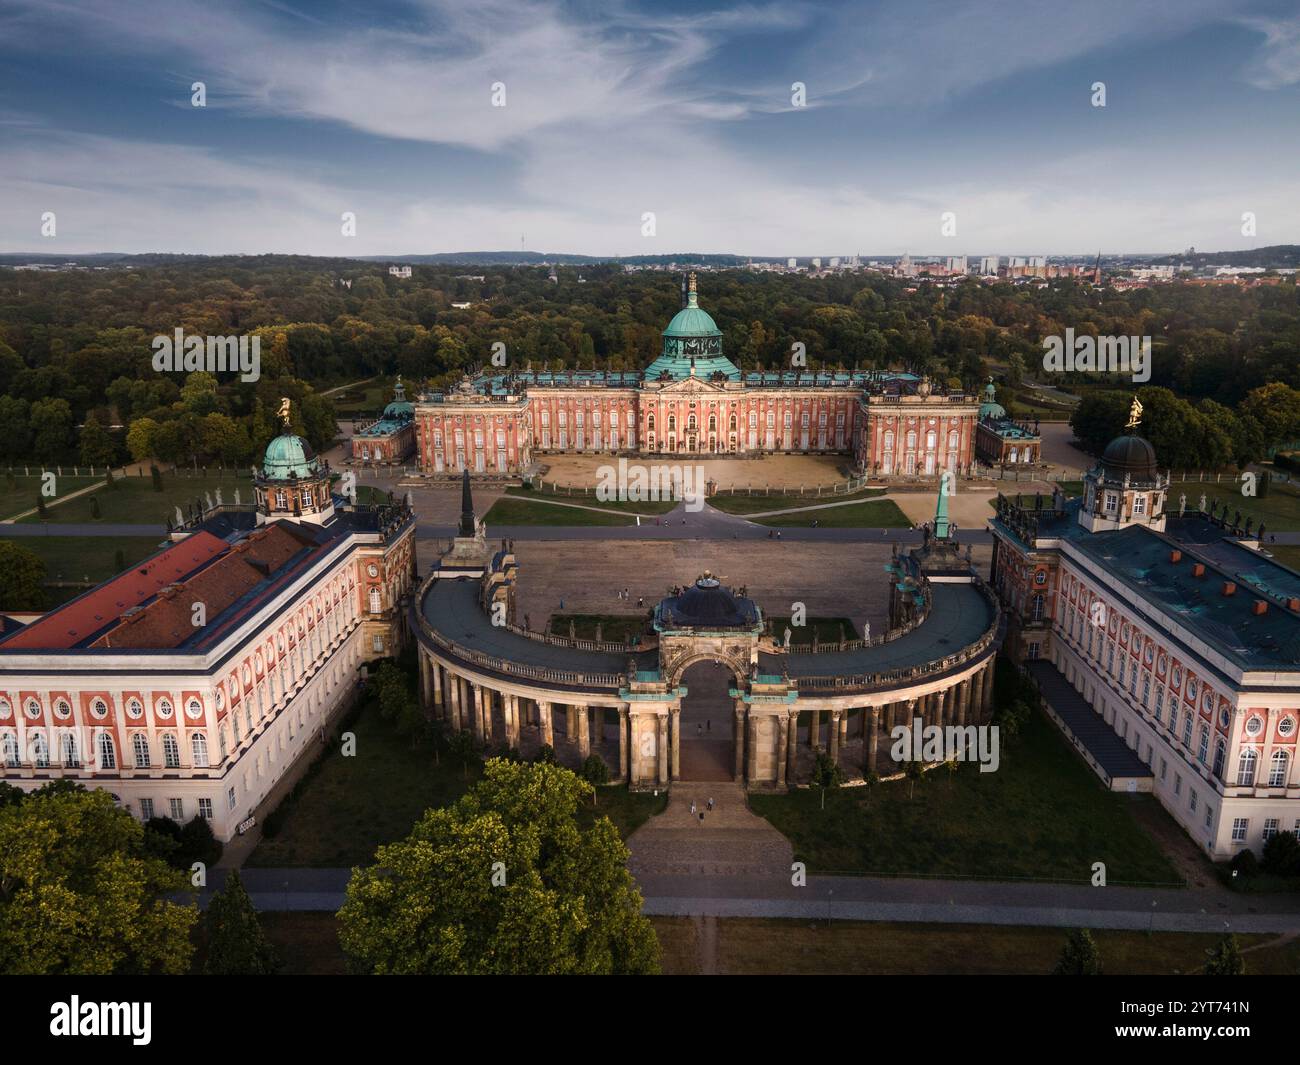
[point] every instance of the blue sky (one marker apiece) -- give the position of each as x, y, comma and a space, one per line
914, 108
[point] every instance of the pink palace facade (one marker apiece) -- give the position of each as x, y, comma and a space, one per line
692, 400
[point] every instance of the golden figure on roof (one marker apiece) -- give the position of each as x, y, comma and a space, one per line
1134, 414
284, 410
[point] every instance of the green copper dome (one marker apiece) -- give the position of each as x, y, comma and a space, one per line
991, 408
289, 457
692, 346
692, 321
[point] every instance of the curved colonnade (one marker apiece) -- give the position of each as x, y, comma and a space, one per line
514, 688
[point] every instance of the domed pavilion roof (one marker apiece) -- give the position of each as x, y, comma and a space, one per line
289, 457
1129, 455
706, 605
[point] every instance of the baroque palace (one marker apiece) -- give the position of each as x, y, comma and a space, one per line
483, 670
190, 684
1165, 643
693, 400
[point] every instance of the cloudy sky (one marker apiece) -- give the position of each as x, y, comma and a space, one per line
914, 108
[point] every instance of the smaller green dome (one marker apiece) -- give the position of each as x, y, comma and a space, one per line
991, 408
289, 457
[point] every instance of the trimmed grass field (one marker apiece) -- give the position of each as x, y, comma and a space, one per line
1042, 815
827, 630
1279, 510
23, 492
509, 510
352, 805
758, 503
616, 506
614, 628
309, 946
872, 514
133, 500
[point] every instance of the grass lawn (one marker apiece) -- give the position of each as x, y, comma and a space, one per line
827, 630
617, 506
134, 502
352, 805
1042, 814
363, 401
24, 491
613, 627
1279, 510
1287, 554
92, 558
757, 503
511, 511
872, 514
629, 810
763, 946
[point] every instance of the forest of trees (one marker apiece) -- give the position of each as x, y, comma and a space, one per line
77, 382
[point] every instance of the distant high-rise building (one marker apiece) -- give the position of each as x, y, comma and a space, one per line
956, 264
817, 264
1038, 260
989, 265
792, 263
835, 262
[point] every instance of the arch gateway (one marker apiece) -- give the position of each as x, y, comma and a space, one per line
481, 670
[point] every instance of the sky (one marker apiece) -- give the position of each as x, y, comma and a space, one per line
613, 111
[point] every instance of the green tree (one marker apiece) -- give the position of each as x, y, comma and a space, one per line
1282, 855
237, 946
97, 447
53, 429
79, 894
140, 438
502, 882
1079, 956
913, 770
1225, 958
22, 577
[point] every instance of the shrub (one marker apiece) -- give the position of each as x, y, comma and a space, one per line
1244, 864
1282, 855
594, 770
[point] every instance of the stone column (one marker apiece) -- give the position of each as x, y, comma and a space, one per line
844, 728
544, 719
676, 726
661, 749
581, 714
873, 737
815, 731
596, 724
439, 701
835, 735
426, 686
453, 689
751, 742
963, 694
792, 747
941, 708
782, 740
478, 713
512, 720
622, 741
987, 700
740, 741
570, 723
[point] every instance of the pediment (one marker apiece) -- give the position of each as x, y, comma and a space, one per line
692, 384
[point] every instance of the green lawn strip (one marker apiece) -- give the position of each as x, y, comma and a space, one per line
1042, 814
351, 805
629, 810
135, 501
759, 503
614, 628
621, 506
827, 630
512, 511
759, 946
1279, 509
873, 514
19, 493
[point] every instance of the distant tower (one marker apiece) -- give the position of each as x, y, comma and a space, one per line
684, 284
1096, 270
467, 522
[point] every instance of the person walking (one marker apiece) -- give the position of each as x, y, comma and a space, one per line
692, 807
710, 804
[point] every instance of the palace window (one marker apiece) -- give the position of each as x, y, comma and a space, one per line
140, 748
40, 751
1220, 751
11, 750
1270, 828
71, 757
107, 752
1240, 826
205, 809
199, 748
1277, 770
1246, 769
1187, 730
1203, 746
171, 752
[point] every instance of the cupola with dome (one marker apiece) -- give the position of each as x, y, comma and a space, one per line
292, 481
692, 345
1125, 488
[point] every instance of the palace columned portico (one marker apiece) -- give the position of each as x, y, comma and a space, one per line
511, 687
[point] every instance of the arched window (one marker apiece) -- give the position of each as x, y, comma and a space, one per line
199, 748
40, 751
1277, 770
11, 750
1219, 752
1038, 610
952, 440
140, 748
171, 752
911, 439
375, 601
930, 440
1246, 769
71, 757
107, 752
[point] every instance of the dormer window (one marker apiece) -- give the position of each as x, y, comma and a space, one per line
1112, 501
1139, 504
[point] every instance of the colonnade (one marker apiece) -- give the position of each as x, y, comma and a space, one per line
766, 736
